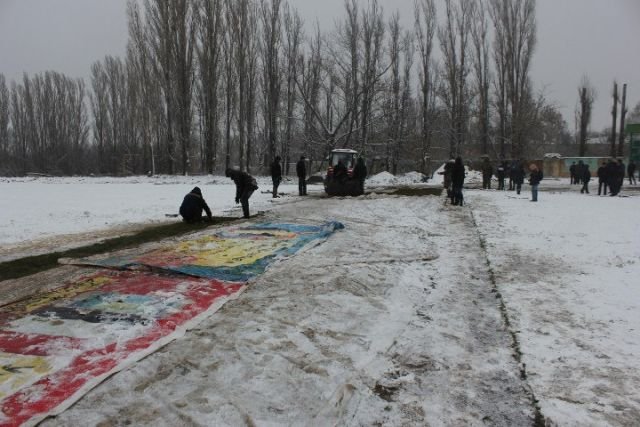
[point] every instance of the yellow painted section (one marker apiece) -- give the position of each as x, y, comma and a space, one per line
18, 370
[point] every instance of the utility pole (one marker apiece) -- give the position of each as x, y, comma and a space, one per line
614, 114
623, 114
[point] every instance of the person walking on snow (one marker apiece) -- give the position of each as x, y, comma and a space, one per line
457, 181
487, 172
518, 177
360, 173
446, 175
245, 186
276, 175
602, 179
301, 171
586, 177
534, 180
501, 174
193, 205
631, 172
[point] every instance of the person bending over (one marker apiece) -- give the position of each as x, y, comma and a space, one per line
245, 186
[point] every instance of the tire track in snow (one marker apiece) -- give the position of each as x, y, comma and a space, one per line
539, 420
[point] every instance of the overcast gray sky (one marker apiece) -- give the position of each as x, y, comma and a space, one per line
599, 38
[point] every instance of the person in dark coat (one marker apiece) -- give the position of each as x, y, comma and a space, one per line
457, 181
518, 176
245, 186
500, 173
534, 180
586, 177
579, 172
487, 173
631, 172
611, 174
340, 172
276, 175
622, 169
572, 172
360, 173
602, 179
301, 171
515, 174
193, 205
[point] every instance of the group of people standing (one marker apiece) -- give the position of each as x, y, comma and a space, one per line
611, 176
514, 171
454, 175
301, 172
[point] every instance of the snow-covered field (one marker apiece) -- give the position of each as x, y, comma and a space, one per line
417, 313
44, 212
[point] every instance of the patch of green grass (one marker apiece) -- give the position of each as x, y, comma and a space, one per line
34, 264
417, 192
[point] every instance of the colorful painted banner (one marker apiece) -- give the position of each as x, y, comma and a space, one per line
56, 346
234, 254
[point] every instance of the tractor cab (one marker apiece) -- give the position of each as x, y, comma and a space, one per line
339, 180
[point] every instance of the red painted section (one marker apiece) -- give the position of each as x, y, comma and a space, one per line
54, 389
35, 344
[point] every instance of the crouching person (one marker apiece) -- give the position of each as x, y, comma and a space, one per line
193, 205
245, 186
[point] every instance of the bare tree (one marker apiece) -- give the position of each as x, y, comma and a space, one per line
614, 117
393, 94
372, 39
311, 81
479, 32
425, 28
138, 57
293, 39
49, 123
515, 39
209, 49
586, 97
230, 78
4, 122
623, 114
271, 80
454, 38
408, 55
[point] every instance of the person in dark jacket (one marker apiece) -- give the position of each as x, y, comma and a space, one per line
534, 180
340, 172
612, 173
487, 173
579, 172
586, 177
501, 173
446, 175
602, 179
457, 181
245, 186
572, 172
518, 176
193, 205
301, 171
360, 173
631, 173
276, 175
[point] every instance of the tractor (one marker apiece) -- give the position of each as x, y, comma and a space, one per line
339, 180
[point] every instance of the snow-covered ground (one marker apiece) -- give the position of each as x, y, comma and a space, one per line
417, 313
43, 212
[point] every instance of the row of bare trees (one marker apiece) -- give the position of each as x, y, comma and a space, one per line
209, 84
